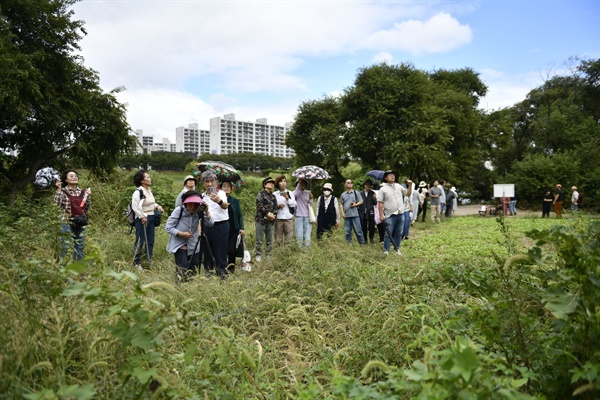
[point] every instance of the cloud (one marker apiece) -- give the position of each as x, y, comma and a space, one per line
441, 33
506, 90
381, 57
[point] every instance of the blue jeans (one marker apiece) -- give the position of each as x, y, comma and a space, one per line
303, 231
353, 223
70, 238
406, 225
512, 207
393, 226
140, 239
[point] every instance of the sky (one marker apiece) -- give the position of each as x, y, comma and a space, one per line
186, 61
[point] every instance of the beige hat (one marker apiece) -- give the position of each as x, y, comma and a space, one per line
189, 177
573, 187
328, 186
422, 184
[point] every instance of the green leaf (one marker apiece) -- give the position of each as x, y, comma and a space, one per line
76, 289
143, 375
84, 392
561, 305
465, 363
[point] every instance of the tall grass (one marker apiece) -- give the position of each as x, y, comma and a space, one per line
333, 321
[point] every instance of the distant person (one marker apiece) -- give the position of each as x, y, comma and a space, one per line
574, 198
378, 222
512, 205
435, 194
217, 235
286, 206
304, 200
547, 201
74, 204
145, 207
406, 221
559, 197
266, 214
328, 214
236, 226
367, 218
415, 205
189, 183
184, 239
450, 196
390, 201
455, 200
424, 194
351, 202
442, 198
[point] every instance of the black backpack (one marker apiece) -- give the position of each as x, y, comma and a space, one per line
580, 199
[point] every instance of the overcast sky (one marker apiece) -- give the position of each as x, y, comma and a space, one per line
186, 61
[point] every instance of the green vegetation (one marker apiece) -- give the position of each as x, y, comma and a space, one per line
476, 308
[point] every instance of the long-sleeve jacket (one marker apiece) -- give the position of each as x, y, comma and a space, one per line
265, 203
181, 220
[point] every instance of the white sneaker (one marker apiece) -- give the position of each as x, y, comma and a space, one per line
139, 268
399, 253
387, 253
257, 259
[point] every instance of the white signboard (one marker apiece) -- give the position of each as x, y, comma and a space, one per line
504, 190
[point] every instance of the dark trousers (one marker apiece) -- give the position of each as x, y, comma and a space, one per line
186, 265
368, 225
546, 209
448, 210
381, 231
422, 210
215, 252
140, 239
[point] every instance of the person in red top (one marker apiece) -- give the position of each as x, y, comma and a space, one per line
74, 204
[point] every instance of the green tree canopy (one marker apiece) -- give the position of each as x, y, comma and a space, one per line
51, 105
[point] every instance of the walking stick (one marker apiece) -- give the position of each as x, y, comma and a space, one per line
147, 248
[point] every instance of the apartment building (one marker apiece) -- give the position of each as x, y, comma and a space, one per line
191, 139
227, 136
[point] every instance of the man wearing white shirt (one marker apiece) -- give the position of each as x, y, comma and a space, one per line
390, 201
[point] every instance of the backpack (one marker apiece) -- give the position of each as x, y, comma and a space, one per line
79, 218
579, 199
130, 214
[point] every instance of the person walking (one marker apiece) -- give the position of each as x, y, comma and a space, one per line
74, 204
559, 197
435, 194
450, 196
217, 235
286, 206
351, 202
145, 208
328, 215
183, 228
512, 205
266, 214
367, 217
189, 183
236, 226
415, 206
390, 202
304, 199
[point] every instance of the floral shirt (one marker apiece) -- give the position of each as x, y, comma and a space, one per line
265, 203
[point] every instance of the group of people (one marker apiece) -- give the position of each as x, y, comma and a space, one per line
557, 199
209, 224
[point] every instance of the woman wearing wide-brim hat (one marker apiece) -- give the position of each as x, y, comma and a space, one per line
423, 191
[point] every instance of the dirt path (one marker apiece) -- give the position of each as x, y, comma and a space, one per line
473, 209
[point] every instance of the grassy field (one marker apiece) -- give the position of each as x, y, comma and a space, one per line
460, 315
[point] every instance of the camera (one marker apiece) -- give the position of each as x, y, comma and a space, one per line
203, 207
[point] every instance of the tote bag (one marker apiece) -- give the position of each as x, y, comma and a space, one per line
311, 214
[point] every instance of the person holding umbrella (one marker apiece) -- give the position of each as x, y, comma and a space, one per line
304, 200
144, 206
266, 214
74, 203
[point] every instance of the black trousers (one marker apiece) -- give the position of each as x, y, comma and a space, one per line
368, 225
186, 265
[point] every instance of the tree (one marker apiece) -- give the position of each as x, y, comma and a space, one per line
51, 105
318, 136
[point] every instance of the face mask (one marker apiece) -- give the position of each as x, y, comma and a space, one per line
326, 192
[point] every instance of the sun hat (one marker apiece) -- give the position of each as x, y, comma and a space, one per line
193, 199
387, 172
573, 187
558, 185
368, 182
188, 178
422, 184
328, 186
267, 180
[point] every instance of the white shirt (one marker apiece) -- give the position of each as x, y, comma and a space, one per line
217, 213
284, 213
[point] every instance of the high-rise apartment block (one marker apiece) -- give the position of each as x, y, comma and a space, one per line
229, 136
192, 140
226, 136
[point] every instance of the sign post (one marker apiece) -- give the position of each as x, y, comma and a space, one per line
503, 190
